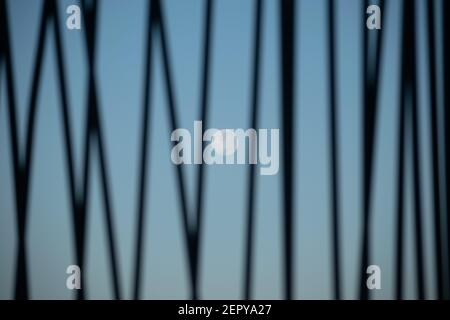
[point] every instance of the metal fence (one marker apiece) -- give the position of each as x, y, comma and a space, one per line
408, 135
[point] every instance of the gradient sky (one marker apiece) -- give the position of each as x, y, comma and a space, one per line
120, 71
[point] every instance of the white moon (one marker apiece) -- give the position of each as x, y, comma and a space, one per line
225, 142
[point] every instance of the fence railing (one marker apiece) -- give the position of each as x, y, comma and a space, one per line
408, 135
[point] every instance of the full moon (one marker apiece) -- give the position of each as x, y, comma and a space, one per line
225, 142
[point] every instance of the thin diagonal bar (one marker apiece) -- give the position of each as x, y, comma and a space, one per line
258, 20
10, 83
189, 237
287, 66
379, 56
64, 102
21, 290
415, 127
25, 175
90, 17
435, 174
208, 18
334, 148
367, 154
401, 146
408, 124
370, 77
140, 226
78, 215
107, 201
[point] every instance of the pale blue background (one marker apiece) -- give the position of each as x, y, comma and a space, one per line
121, 44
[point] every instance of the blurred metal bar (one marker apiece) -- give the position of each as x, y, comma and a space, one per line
334, 149
370, 78
415, 127
409, 135
22, 162
251, 198
171, 104
206, 59
400, 191
94, 133
144, 156
446, 74
78, 215
287, 66
434, 142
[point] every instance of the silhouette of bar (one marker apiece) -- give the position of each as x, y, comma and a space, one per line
143, 166
334, 149
409, 134
209, 22
287, 66
189, 234
94, 133
22, 160
434, 142
446, 72
251, 199
370, 80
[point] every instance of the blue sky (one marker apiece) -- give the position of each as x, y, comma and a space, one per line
120, 71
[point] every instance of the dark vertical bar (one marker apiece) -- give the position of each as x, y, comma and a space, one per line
370, 79
366, 164
435, 148
257, 38
446, 62
412, 62
400, 221
334, 148
409, 123
367, 160
140, 226
208, 23
287, 20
